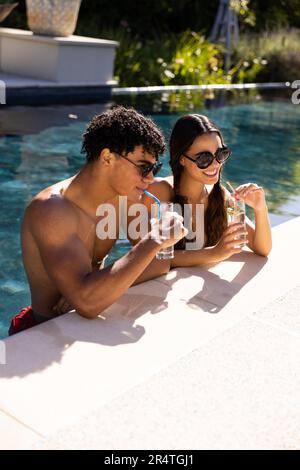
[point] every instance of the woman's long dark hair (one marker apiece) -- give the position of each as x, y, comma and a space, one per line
185, 131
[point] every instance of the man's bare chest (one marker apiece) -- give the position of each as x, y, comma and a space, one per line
97, 247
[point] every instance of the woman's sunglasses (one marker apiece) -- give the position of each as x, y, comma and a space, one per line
204, 159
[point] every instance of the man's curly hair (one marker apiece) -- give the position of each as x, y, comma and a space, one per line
120, 130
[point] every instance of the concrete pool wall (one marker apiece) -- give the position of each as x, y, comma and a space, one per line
201, 358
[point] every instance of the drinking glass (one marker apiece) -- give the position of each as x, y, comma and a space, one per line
165, 253
236, 213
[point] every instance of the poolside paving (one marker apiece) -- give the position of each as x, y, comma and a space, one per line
238, 391
199, 358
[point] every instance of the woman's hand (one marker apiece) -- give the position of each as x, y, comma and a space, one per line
252, 194
232, 241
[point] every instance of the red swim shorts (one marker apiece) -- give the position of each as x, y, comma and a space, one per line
23, 320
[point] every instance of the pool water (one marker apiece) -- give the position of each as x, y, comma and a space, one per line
42, 146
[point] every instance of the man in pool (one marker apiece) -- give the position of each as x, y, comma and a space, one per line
61, 251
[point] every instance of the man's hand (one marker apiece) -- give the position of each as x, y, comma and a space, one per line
168, 230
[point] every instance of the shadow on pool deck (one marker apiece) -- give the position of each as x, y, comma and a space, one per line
205, 292
71, 363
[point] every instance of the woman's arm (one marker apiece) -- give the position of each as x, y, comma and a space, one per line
227, 246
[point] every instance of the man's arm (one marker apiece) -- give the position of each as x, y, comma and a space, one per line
68, 264
163, 190
156, 267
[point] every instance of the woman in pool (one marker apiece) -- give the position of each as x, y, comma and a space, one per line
197, 154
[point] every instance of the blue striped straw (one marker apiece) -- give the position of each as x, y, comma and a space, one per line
156, 200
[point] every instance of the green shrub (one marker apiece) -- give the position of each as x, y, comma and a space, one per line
192, 60
167, 60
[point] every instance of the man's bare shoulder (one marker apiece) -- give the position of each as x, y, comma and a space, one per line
50, 212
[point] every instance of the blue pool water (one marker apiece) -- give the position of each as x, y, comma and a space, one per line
41, 146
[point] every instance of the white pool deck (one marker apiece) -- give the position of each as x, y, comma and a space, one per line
202, 358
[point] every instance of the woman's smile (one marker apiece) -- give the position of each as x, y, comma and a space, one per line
211, 173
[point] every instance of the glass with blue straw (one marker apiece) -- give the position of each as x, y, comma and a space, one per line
162, 208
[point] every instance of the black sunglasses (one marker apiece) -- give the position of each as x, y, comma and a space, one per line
204, 159
145, 168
